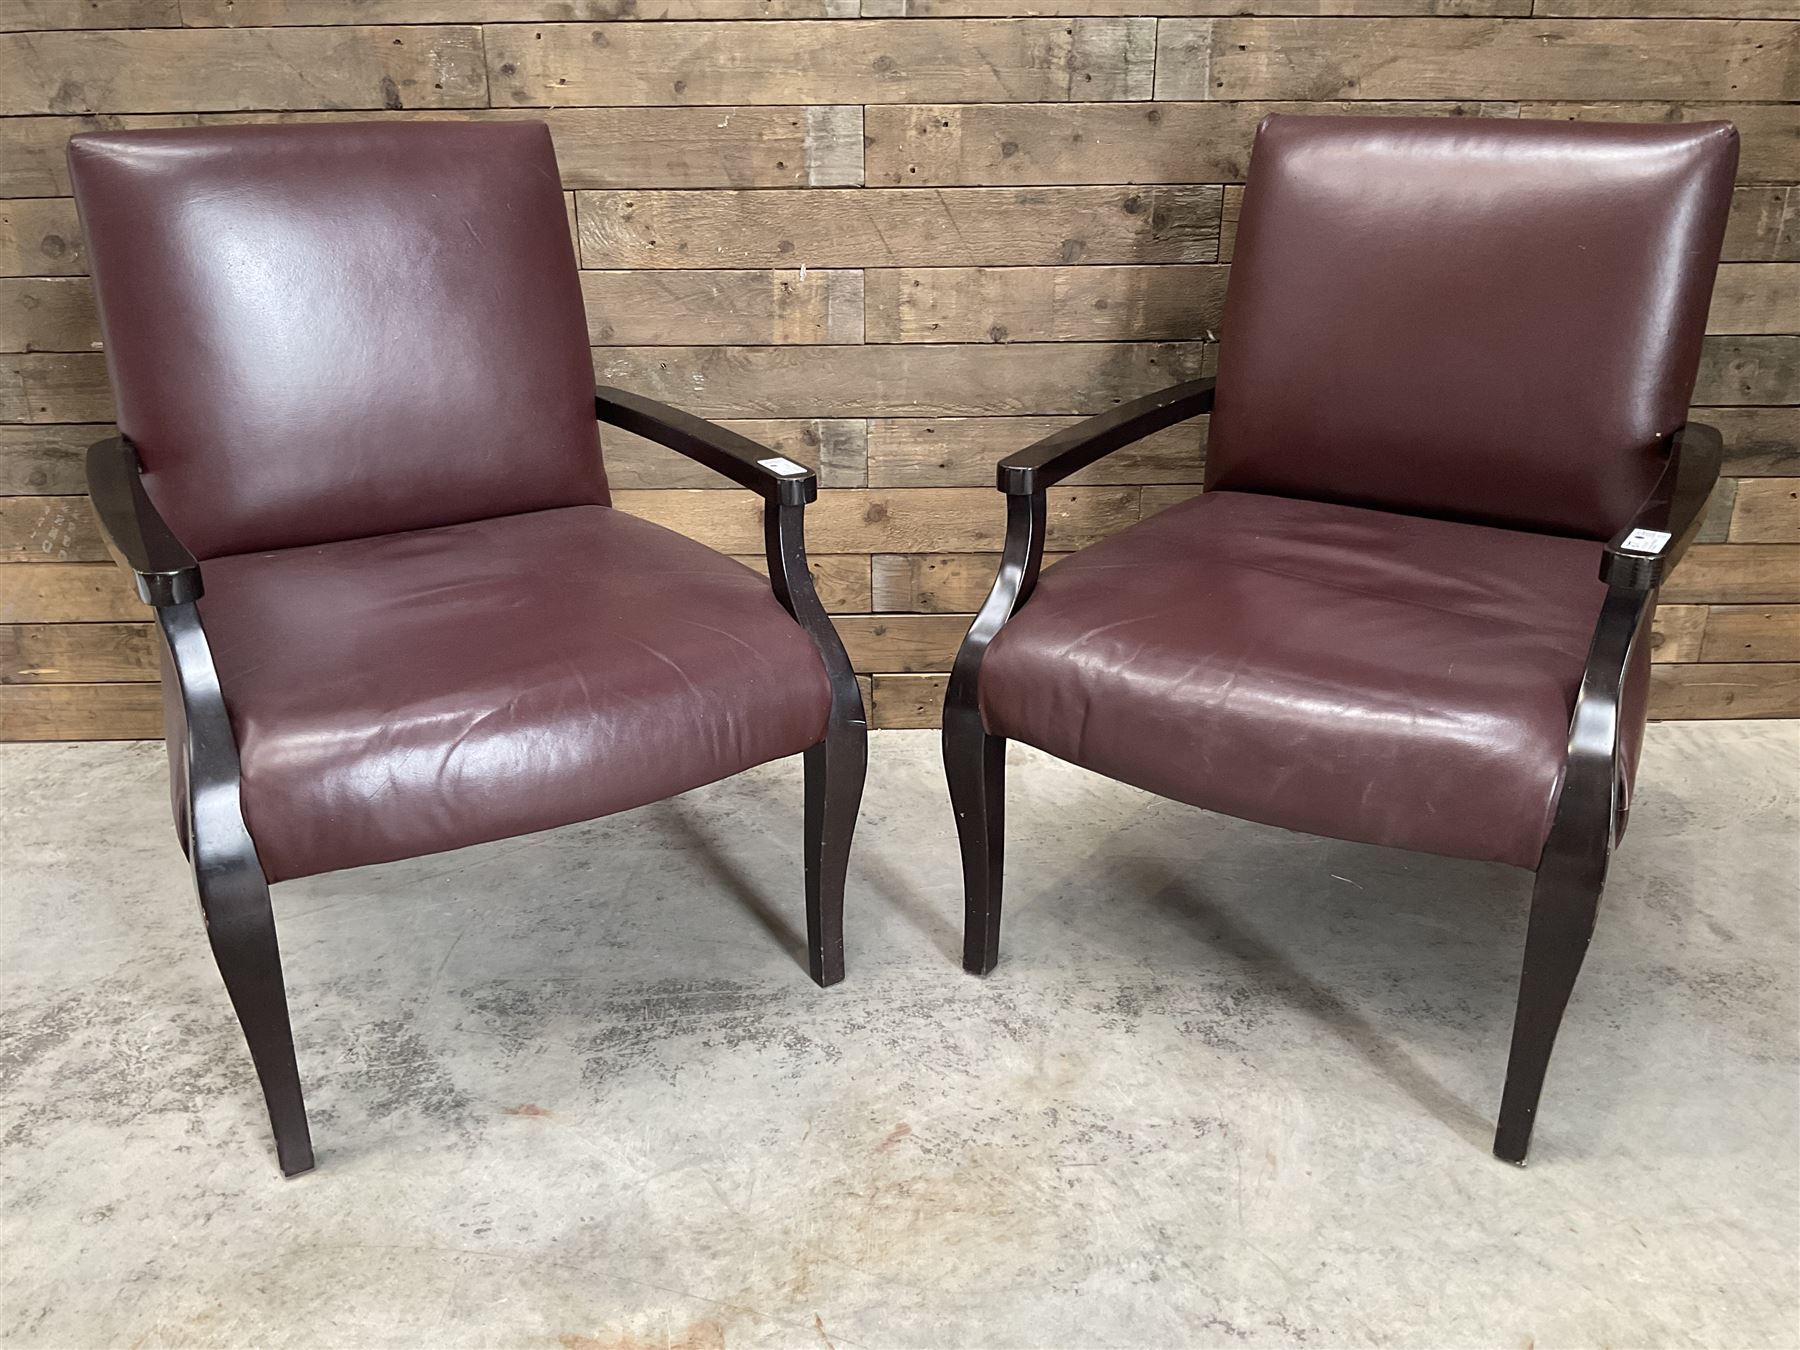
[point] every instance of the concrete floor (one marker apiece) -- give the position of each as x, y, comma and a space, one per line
1228, 1086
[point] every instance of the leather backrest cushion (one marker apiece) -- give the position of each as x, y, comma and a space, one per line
1486, 319
329, 331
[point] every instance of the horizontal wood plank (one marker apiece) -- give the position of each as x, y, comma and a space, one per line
275, 13
80, 712
1759, 442
40, 237
84, 653
866, 63
40, 15
902, 702
46, 460
962, 451
915, 380
1749, 370
54, 387
1709, 690
1751, 633
1045, 304
49, 529
836, 447
1766, 511
1033, 144
917, 520
51, 592
1748, 574
1764, 225
904, 227
678, 308
1518, 59
47, 314
154, 70
897, 643
1756, 297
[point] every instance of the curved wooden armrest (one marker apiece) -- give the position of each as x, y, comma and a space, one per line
1641, 555
165, 572
775, 477
1049, 461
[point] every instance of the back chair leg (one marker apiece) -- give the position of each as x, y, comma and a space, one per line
835, 769
975, 764
240, 924
1563, 907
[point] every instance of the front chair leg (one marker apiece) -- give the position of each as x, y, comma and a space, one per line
835, 769
1563, 907
975, 764
240, 924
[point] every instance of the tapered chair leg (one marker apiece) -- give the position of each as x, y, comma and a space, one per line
1563, 907
835, 769
975, 764
240, 924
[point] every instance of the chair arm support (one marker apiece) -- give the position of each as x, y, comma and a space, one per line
1054, 458
1642, 554
166, 573
739, 458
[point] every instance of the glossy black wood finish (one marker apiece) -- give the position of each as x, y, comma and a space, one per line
739, 458
234, 897
165, 572
1571, 874
1045, 463
975, 762
837, 766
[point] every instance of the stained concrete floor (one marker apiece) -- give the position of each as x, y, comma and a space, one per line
1227, 1087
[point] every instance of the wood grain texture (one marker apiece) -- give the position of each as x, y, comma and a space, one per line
1030, 144
904, 381
1045, 304
77, 653
153, 70
1709, 690
1550, 59
873, 62
669, 308
962, 451
894, 239
267, 13
80, 712
41, 592
901, 228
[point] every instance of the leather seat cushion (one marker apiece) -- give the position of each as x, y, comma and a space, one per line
1346, 672
409, 693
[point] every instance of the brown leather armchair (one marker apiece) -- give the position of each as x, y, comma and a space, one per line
356, 400
1448, 469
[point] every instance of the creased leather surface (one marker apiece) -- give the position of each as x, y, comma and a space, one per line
1346, 672
320, 332
414, 692
1485, 319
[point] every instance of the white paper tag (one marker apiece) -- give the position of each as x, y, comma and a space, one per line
1646, 541
786, 467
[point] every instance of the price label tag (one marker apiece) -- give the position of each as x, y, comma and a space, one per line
785, 467
1646, 541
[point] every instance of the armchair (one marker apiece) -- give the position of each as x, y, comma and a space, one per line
1448, 471
359, 479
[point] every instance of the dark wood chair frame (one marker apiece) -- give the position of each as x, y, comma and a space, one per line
1571, 872
234, 895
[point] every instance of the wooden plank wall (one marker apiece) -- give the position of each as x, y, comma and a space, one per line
896, 238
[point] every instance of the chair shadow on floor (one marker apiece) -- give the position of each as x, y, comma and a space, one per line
1185, 909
